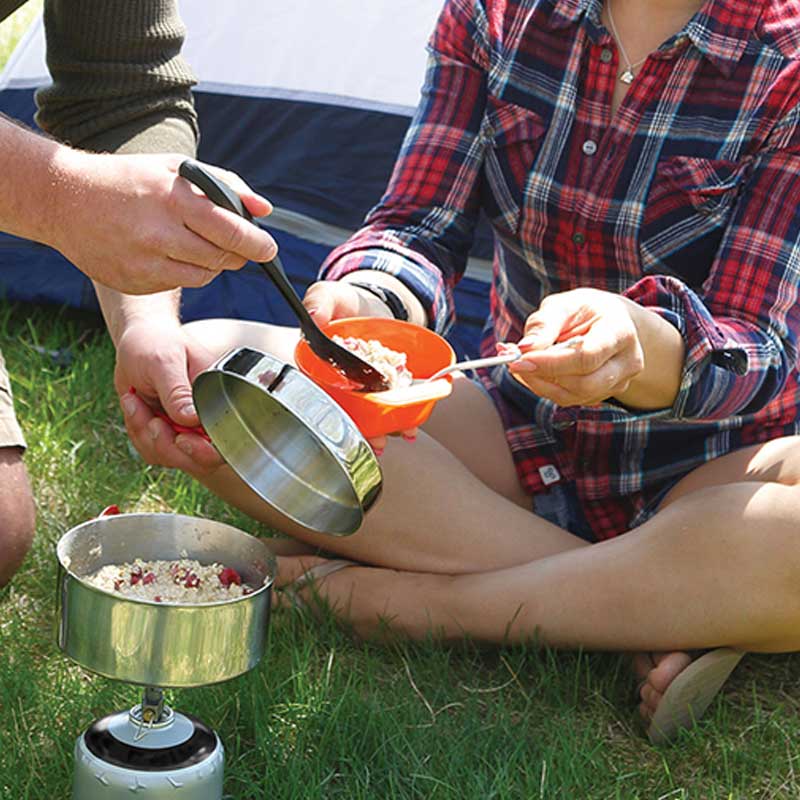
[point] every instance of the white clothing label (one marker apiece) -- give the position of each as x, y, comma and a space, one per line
549, 474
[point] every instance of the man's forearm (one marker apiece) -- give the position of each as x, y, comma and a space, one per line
34, 169
122, 310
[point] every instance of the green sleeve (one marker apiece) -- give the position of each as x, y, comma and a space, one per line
119, 81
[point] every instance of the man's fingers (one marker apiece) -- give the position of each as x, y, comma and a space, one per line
170, 377
257, 205
189, 248
158, 444
224, 228
201, 452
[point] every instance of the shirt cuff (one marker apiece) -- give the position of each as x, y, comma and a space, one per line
154, 133
712, 362
421, 277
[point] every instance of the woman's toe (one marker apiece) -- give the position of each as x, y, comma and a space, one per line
667, 667
642, 663
651, 697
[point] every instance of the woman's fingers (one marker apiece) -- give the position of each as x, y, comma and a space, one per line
583, 369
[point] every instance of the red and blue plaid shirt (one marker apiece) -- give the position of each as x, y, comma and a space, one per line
687, 201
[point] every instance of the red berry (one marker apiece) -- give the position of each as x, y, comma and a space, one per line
148, 578
136, 575
157, 598
191, 581
118, 584
228, 576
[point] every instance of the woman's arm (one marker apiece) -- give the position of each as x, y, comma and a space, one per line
421, 231
741, 327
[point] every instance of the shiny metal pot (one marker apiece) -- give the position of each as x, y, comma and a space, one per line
161, 644
288, 440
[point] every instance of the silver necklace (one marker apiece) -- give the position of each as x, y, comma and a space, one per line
626, 76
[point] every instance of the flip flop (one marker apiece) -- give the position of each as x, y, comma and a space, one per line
690, 694
311, 576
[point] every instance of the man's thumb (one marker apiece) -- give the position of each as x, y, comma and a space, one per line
175, 392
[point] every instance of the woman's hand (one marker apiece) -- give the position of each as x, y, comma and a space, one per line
330, 300
585, 346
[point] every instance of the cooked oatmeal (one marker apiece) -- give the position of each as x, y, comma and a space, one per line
182, 581
391, 363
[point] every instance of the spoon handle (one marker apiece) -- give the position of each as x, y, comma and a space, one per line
223, 195
490, 361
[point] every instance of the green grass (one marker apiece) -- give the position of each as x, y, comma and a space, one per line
12, 28
324, 716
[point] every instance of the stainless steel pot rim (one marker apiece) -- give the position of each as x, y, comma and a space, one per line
74, 532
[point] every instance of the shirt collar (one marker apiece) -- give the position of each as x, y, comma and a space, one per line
719, 30
566, 12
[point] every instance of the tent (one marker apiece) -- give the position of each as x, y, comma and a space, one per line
312, 124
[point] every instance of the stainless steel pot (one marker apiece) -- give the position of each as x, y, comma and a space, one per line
161, 644
288, 440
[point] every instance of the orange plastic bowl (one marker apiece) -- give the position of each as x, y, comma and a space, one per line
381, 413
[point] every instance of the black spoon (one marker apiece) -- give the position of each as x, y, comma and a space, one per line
355, 369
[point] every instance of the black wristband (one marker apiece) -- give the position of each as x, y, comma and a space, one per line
390, 298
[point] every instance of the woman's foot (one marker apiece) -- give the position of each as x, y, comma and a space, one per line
374, 602
676, 688
654, 673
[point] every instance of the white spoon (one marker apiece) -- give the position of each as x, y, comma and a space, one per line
475, 363
433, 388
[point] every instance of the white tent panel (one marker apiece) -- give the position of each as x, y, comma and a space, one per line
344, 52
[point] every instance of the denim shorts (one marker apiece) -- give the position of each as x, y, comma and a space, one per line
559, 504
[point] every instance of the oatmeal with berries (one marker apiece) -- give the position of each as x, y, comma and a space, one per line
182, 581
390, 363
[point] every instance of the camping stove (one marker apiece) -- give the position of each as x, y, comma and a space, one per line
151, 750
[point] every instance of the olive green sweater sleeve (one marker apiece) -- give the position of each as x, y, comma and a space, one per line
119, 83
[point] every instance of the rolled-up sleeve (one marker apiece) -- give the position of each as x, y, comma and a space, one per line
741, 326
422, 229
119, 81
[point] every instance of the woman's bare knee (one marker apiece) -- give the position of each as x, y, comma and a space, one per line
775, 461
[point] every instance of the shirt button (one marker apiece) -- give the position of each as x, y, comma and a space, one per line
589, 147
606, 55
578, 238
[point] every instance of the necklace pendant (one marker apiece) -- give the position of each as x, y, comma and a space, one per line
627, 76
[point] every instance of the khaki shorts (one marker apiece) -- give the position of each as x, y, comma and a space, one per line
10, 432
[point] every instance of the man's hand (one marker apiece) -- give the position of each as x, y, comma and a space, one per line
159, 361
132, 224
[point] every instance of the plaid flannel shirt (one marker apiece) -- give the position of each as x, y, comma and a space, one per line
687, 201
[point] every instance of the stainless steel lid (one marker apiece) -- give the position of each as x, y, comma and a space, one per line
288, 440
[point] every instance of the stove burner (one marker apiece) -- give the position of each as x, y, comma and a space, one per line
105, 746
